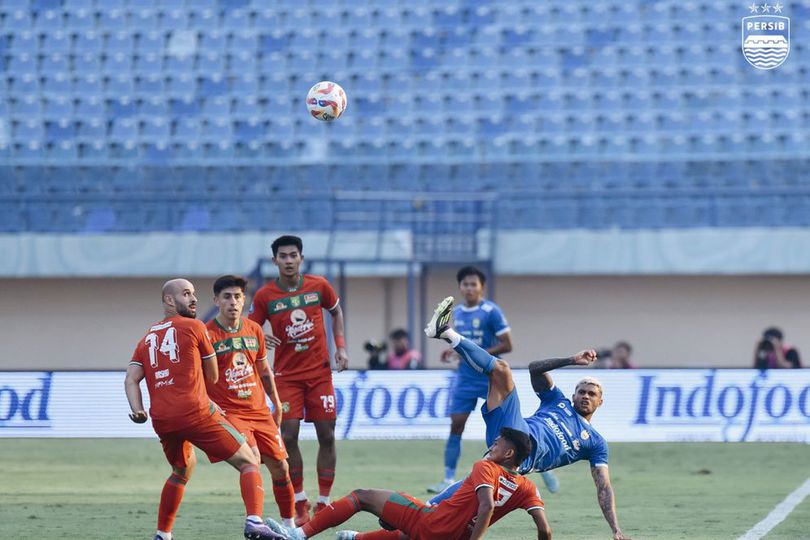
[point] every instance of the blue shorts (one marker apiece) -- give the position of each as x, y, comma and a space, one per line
506, 415
465, 391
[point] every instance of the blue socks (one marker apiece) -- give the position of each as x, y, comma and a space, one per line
446, 494
475, 357
451, 454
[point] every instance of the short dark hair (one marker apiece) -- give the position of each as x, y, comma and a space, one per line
624, 345
228, 281
399, 333
773, 332
520, 442
470, 271
287, 240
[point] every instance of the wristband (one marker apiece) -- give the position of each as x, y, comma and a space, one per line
340, 342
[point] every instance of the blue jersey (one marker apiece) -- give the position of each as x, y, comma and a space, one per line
562, 436
482, 325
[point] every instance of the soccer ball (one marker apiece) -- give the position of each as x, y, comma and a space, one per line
326, 101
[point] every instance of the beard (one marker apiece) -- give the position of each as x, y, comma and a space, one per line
186, 312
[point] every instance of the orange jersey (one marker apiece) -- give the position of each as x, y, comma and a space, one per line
171, 355
297, 320
240, 390
453, 518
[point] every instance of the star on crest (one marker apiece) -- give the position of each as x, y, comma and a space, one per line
754, 8
777, 7
766, 8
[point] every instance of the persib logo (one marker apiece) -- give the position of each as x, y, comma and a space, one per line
766, 38
26, 405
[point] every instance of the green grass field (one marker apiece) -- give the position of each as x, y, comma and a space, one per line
102, 489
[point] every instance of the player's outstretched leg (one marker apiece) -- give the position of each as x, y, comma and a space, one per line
368, 500
498, 372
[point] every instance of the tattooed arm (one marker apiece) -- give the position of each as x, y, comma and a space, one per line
541, 381
607, 502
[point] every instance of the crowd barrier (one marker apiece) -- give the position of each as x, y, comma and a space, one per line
639, 405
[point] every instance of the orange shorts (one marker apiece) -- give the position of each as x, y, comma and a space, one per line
312, 399
213, 435
408, 515
261, 433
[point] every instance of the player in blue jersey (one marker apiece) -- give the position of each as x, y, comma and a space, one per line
483, 323
560, 429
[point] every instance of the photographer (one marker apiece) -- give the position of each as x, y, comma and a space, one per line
616, 358
772, 353
402, 356
375, 352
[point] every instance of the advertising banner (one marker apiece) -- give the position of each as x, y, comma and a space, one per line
639, 405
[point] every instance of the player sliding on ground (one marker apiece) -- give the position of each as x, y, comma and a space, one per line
492, 490
172, 357
560, 430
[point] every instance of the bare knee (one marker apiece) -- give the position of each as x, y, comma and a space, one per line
243, 457
290, 440
278, 468
326, 435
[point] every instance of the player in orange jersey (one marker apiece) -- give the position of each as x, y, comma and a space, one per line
293, 305
172, 357
492, 490
244, 378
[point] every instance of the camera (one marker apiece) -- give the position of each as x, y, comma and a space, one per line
375, 350
764, 348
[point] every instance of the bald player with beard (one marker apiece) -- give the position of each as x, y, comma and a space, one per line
173, 357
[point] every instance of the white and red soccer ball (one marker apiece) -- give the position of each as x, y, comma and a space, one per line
326, 101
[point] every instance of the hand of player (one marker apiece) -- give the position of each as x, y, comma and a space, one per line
585, 358
277, 413
139, 417
341, 359
448, 356
271, 342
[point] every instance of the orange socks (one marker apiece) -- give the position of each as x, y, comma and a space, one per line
250, 482
170, 499
326, 477
334, 514
283, 492
297, 478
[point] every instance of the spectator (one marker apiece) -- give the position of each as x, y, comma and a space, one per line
616, 358
402, 356
772, 352
620, 356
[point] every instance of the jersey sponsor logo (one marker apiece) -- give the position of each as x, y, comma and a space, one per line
300, 325
162, 374
222, 346
237, 343
251, 343
504, 482
576, 444
240, 370
162, 384
162, 326
294, 302
555, 429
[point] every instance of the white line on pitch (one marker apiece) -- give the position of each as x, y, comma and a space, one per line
779, 513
